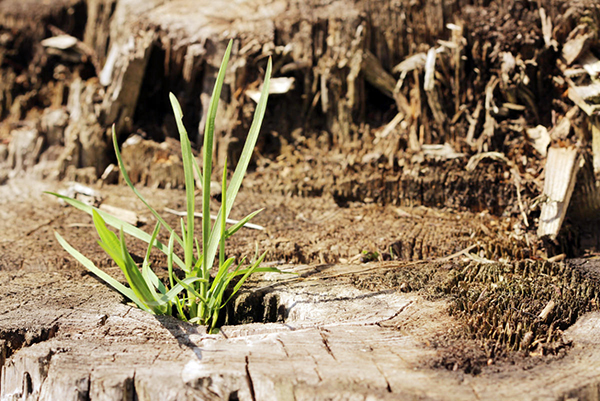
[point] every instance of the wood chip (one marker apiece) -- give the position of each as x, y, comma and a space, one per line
61, 42
547, 310
474, 160
578, 42
562, 166
127, 216
540, 139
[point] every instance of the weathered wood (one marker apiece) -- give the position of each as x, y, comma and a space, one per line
562, 167
125, 77
24, 149
334, 331
153, 164
339, 58
341, 63
185, 42
337, 341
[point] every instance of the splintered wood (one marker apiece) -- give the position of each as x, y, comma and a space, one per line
562, 166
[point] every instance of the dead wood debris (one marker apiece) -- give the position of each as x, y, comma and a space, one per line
214, 217
358, 116
519, 92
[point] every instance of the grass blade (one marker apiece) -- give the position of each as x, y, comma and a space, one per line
190, 184
263, 270
223, 217
88, 264
151, 279
170, 259
221, 274
249, 271
207, 164
220, 290
107, 237
132, 187
185, 285
134, 277
235, 228
171, 294
118, 223
171, 280
240, 171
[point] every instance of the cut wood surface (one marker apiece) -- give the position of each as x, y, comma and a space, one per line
401, 167
65, 336
68, 337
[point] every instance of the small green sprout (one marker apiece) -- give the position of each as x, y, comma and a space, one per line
198, 297
366, 256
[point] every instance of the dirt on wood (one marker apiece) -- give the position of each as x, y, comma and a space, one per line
434, 315
426, 171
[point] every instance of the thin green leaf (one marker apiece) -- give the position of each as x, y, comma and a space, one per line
190, 185
213, 322
219, 278
249, 271
191, 289
240, 171
196, 271
115, 255
171, 294
132, 187
180, 312
151, 280
170, 259
207, 166
223, 219
88, 264
217, 297
264, 270
134, 277
185, 237
157, 283
118, 223
106, 236
235, 228
171, 280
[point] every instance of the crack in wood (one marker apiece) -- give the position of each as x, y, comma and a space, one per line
134, 392
326, 344
474, 391
14, 340
249, 379
85, 396
283, 347
395, 315
156, 357
316, 368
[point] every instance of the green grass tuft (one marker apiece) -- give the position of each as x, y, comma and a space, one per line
198, 297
